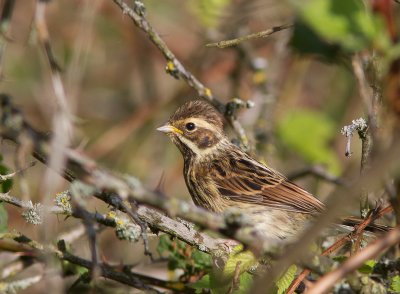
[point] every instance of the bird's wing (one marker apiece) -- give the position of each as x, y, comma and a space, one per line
248, 181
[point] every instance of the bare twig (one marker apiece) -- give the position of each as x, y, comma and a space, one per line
11, 175
357, 233
262, 34
342, 197
155, 219
5, 197
362, 83
5, 18
324, 284
15, 266
129, 278
62, 126
374, 215
18, 285
236, 279
317, 171
174, 66
296, 282
371, 94
122, 188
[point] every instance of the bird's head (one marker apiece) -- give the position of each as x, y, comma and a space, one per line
195, 128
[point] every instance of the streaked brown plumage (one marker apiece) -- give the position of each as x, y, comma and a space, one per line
219, 175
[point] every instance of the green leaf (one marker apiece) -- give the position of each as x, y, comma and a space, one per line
395, 284
209, 12
221, 280
201, 259
284, 282
246, 259
176, 262
3, 218
246, 281
309, 133
6, 185
339, 258
345, 22
367, 267
305, 41
72, 269
164, 244
203, 283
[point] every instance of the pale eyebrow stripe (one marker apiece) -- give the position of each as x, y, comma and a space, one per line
199, 123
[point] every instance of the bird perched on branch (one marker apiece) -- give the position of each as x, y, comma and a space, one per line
220, 176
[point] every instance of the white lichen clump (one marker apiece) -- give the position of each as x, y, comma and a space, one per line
33, 214
125, 229
63, 200
359, 125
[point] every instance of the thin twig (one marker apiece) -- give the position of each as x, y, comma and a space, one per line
155, 219
374, 215
262, 34
371, 94
62, 126
342, 197
123, 189
357, 233
132, 212
5, 19
362, 83
236, 279
11, 175
335, 246
138, 281
324, 284
318, 172
175, 67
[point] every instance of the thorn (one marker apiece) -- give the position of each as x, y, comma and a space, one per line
160, 188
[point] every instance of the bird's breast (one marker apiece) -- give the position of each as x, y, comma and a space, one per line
202, 188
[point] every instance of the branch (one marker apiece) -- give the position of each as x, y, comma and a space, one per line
343, 197
318, 172
126, 277
5, 20
324, 284
13, 174
355, 234
367, 77
262, 34
116, 188
174, 66
155, 219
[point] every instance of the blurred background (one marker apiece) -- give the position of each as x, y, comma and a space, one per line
116, 84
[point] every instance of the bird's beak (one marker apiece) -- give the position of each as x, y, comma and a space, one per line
167, 128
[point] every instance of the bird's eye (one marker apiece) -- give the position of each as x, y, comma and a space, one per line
190, 126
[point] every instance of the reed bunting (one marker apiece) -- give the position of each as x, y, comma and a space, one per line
220, 176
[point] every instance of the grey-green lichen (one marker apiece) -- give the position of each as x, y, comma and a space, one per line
33, 214
63, 200
125, 229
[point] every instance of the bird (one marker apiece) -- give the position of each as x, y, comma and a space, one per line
221, 177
